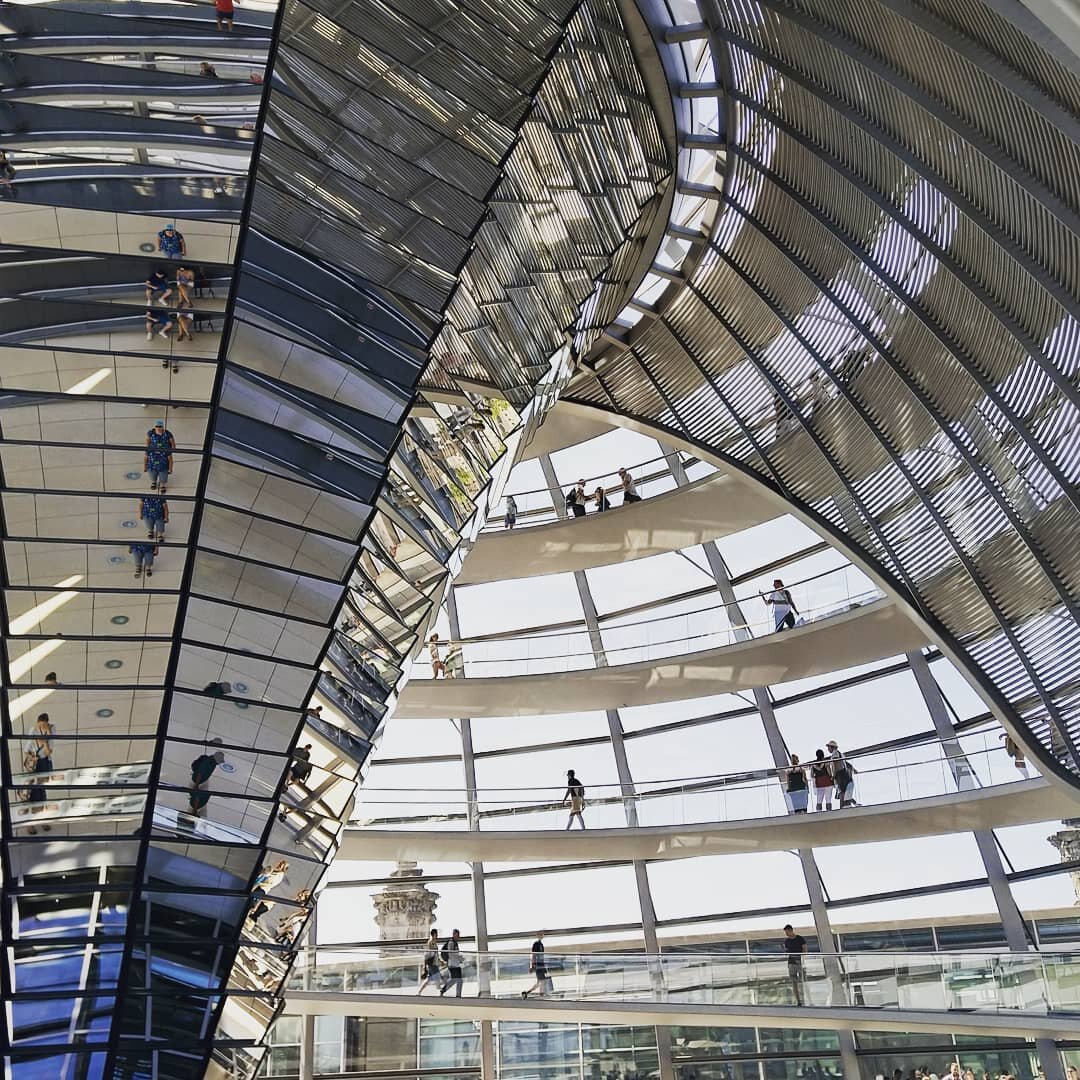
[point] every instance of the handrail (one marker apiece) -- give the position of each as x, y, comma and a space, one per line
760, 795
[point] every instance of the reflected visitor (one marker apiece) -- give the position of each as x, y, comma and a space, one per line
224, 10
41, 744
50, 680
202, 768
270, 877
158, 322
1015, 751
154, 511
843, 773
510, 518
629, 488
159, 437
158, 463
157, 287
601, 500
438, 666
207, 70
429, 962
795, 946
143, 553
575, 796
451, 957
823, 781
36, 795
538, 967
288, 927
7, 178
795, 778
301, 766
170, 242
782, 604
185, 321
218, 689
185, 285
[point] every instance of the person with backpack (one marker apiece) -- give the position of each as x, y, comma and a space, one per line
843, 773
451, 958
575, 795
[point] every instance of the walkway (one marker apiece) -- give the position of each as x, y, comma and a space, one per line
714, 506
1017, 803
1004, 993
859, 636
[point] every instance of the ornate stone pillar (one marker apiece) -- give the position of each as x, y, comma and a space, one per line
405, 909
1068, 844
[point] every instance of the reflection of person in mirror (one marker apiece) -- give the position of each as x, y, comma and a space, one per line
202, 768
158, 322
171, 242
157, 286
154, 512
37, 796
301, 766
41, 744
185, 285
50, 680
143, 554
7, 178
207, 70
218, 689
453, 660
224, 10
269, 877
185, 320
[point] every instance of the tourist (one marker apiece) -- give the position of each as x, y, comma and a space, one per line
224, 10
50, 680
510, 518
1015, 751
795, 946
207, 70
601, 500
202, 768
301, 766
575, 499
629, 488
823, 781
784, 609
538, 966
185, 285
575, 796
154, 510
7, 177
795, 778
157, 322
267, 879
41, 744
429, 963
170, 242
143, 554
157, 286
218, 689
185, 320
451, 957
438, 667
843, 773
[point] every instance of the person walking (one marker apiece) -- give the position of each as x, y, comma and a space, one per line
451, 957
510, 519
843, 773
629, 488
143, 554
224, 9
7, 178
575, 796
601, 500
202, 768
157, 286
41, 744
429, 963
438, 665
154, 511
823, 781
170, 241
301, 766
270, 877
797, 794
538, 967
782, 604
795, 946
575, 499
158, 459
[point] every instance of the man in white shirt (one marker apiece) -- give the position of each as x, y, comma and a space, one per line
783, 606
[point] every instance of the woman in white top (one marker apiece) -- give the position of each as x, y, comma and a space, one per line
784, 609
438, 667
629, 488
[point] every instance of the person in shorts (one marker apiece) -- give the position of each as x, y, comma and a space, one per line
538, 967
224, 10
575, 796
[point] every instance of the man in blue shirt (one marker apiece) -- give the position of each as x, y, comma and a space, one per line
171, 242
157, 286
144, 558
158, 322
155, 512
159, 437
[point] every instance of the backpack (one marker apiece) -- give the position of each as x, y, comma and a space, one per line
571, 498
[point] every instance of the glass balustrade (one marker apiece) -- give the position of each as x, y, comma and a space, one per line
639, 641
998, 982
880, 779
